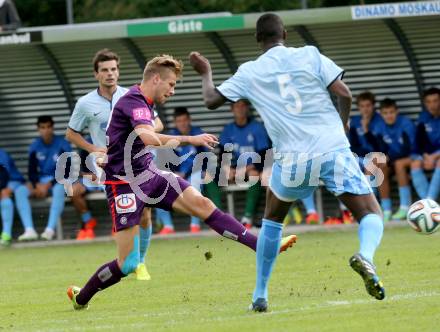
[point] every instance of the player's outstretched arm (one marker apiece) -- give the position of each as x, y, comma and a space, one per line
153, 139
342, 91
212, 98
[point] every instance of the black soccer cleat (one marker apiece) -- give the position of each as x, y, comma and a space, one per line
260, 305
368, 273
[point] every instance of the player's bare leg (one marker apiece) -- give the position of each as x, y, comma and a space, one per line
268, 247
145, 231
367, 212
127, 241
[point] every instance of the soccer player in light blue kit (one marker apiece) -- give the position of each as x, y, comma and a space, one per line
13, 182
427, 154
93, 111
289, 88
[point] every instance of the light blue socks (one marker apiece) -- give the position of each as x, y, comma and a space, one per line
268, 246
164, 217
144, 241
86, 216
386, 204
434, 186
370, 233
309, 204
420, 182
7, 212
405, 197
24, 206
57, 206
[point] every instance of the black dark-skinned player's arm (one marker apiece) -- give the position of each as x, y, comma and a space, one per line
212, 98
343, 93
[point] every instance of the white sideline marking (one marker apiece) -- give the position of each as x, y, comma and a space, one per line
393, 298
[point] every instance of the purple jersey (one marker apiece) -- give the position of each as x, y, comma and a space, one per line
131, 110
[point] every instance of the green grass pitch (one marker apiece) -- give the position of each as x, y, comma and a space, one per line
312, 287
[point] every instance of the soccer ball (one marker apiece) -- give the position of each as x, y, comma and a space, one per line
424, 216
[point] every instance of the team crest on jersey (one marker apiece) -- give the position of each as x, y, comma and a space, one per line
387, 139
41, 156
125, 203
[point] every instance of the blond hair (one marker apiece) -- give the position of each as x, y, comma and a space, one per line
158, 64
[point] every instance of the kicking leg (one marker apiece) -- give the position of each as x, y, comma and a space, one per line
193, 203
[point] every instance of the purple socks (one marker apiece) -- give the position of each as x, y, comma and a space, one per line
229, 227
106, 276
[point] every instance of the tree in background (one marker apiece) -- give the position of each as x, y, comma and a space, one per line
41, 12
50, 12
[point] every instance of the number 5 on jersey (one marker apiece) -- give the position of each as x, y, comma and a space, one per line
287, 91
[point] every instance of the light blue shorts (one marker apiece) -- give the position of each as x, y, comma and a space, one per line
13, 185
298, 177
90, 186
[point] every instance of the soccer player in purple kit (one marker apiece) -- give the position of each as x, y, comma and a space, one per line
142, 184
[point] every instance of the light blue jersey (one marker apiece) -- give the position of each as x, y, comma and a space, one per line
288, 88
93, 111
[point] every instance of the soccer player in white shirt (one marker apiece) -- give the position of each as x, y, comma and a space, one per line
93, 111
289, 87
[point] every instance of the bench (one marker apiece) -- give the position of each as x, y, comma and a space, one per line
233, 188
92, 196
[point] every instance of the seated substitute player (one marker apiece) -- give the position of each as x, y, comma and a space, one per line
428, 147
182, 121
396, 137
246, 135
92, 111
289, 89
12, 182
364, 132
133, 182
364, 128
43, 155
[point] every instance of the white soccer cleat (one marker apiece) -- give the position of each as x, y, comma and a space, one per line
29, 235
47, 235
